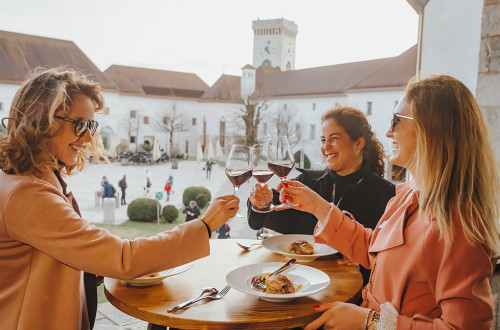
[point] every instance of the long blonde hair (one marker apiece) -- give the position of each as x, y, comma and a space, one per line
456, 169
24, 149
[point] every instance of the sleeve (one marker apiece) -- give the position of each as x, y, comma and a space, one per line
459, 276
284, 222
346, 236
49, 224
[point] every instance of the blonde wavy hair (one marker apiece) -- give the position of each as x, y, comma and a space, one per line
24, 149
457, 171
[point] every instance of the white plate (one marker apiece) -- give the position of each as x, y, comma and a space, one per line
312, 280
281, 243
147, 281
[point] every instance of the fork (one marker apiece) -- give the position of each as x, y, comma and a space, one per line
192, 301
221, 293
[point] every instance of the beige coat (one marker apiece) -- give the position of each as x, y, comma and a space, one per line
432, 284
45, 245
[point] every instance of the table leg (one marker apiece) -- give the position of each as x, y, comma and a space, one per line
152, 326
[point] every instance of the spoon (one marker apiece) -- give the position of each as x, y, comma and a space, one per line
259, 281
246, 247
192, 301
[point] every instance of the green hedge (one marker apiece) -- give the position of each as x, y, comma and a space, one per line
307, 162
191, 193
170, 213
143, 209
201, 200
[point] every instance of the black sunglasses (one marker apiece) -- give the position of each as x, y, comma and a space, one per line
81, 125
396, 119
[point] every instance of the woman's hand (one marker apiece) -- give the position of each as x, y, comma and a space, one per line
220, 210
261, 197
304, 199
339, 316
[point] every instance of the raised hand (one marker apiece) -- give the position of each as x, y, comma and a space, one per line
222, 209
261, 197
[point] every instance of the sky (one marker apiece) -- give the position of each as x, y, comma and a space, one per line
215, 37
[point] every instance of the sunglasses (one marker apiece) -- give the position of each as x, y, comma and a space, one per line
81, 125
396, 119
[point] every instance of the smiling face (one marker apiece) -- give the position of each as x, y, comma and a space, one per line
404, 138
342, 154
65, 144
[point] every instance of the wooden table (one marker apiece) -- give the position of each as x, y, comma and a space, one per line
236, 310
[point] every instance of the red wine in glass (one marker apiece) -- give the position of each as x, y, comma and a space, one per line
239, 166
262, 176
239, 177
280, 169
280, 160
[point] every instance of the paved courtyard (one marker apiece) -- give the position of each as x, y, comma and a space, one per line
189, 173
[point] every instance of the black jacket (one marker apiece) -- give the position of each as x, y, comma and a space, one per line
363, 194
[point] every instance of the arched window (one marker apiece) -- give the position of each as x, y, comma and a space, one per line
204, 139
288, 66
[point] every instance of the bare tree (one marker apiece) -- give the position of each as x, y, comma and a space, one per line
285, 125
171, 121
251, 112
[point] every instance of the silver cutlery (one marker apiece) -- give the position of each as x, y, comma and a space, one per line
259, 281
211, 291
246, 247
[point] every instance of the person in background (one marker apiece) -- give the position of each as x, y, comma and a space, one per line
352, 180
109, 190
223, 231
147, 188
430, 253
168, 189
123, 186
48, 253
192, 211
171, 179
104, 178
208, 168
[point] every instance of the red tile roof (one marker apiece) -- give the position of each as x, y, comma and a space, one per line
156, 82
22, 53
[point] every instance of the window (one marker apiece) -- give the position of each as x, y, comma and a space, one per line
132, 139
265, 129
222, 131
193, 121
1, 106
369, 108
146, 120
314, 106
165, 120
133, 113
285, 106
105, 110
312, 132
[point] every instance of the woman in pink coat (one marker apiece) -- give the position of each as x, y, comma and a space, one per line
430, 252
48, 253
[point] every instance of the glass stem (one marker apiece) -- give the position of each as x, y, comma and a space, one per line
235, 190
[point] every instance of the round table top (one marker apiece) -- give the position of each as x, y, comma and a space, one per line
236, 310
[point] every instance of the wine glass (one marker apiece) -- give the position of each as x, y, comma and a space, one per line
280, 160
239, 167
261, 172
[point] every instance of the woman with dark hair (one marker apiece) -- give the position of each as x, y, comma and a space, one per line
352, 180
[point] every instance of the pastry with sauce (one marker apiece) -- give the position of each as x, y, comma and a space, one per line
301, 247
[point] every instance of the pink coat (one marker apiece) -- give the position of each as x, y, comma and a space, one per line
432, 284
45, 245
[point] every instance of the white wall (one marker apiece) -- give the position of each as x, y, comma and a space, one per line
451, 39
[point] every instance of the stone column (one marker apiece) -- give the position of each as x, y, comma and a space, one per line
488, 83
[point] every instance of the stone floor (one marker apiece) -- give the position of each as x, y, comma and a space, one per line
109, 317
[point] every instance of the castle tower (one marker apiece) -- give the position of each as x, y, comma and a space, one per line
274, 43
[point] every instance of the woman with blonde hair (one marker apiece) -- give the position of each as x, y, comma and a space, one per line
48, 253
430, 252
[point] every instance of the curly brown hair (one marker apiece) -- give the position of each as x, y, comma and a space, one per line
24, 149
356, 125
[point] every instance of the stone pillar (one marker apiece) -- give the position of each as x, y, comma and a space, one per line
488, 83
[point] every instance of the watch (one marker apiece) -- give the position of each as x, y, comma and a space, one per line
267, 49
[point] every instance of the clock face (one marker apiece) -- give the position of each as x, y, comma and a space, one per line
267, 49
